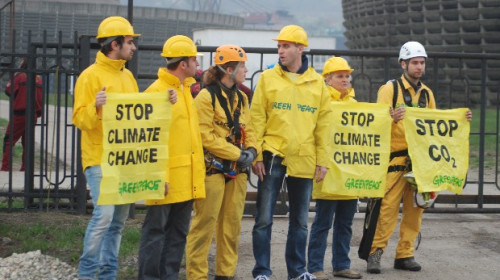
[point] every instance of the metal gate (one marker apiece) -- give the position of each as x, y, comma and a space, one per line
53, 178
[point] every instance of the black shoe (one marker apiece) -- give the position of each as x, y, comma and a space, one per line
407, 264
223, 277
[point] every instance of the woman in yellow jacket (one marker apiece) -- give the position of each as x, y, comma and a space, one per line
229, 143
337, 74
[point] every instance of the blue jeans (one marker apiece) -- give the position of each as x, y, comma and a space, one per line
299, 197
344, 213
163, 240
104, 232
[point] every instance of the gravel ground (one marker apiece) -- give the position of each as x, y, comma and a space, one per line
33, 265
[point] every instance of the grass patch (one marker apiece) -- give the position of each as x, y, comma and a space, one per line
490, 141
61, 235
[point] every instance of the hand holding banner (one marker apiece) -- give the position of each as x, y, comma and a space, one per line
438, 145
135, 147
361, 147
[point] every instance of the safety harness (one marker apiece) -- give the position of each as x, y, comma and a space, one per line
422, 103
236, 137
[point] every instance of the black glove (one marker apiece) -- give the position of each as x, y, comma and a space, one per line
245, 159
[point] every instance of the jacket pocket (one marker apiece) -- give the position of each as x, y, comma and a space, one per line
307, 150
178, 161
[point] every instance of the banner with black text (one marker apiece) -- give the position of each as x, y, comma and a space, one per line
438, 145
135, 147
360, 140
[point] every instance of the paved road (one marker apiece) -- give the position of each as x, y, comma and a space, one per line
453, 246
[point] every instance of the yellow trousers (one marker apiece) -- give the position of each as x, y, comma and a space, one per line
398, 189
221, 211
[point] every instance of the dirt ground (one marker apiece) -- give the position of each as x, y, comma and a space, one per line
453, 246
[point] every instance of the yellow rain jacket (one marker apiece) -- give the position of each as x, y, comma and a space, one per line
186, 165
334, 97
214, 129
105, 72
291, 119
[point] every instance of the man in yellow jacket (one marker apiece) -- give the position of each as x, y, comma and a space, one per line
167, 220
290, 114
108, 74
410, 92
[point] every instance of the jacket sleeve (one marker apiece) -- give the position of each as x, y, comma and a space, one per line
250, 141
323, 129
214, 143
432, 100
85, 115
385, 94
258, 115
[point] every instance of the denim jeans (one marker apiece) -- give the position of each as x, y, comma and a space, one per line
344, 213
101, 243
299, 196
163, 240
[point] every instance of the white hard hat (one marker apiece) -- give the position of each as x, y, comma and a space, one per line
412, 49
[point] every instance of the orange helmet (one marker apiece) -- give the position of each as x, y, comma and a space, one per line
228, 53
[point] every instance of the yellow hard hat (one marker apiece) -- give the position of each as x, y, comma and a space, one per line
179, 46
115, 26
228, 53
293, 33
336, 64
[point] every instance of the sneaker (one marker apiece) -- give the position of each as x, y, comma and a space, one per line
262, 277
305, 276
320, 275
373, 262
407, 264
347, 273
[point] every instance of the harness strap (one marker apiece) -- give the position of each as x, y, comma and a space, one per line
401, 153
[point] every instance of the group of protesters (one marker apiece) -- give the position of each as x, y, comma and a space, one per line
217, 136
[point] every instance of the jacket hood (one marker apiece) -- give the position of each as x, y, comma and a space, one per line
171, 79
302, 69
110, 64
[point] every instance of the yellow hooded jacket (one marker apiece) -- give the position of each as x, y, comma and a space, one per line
291, 119
105, 72
335, 97
186, 165
214, 128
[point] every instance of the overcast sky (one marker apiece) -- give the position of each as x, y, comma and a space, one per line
295, 7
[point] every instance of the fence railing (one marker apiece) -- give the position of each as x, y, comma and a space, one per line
53, 178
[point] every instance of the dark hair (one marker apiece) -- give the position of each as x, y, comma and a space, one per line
105, 49
214, 74
173, 66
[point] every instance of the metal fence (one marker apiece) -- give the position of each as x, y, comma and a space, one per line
53, 179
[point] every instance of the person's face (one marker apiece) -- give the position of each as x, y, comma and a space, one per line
241, 73
127, 49
339, 80
415, 67
190, 66
289, 53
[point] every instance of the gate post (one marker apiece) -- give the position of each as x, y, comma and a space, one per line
81, 182
29, 152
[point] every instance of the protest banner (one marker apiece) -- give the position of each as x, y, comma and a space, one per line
438, 145
360, 141
135, 147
